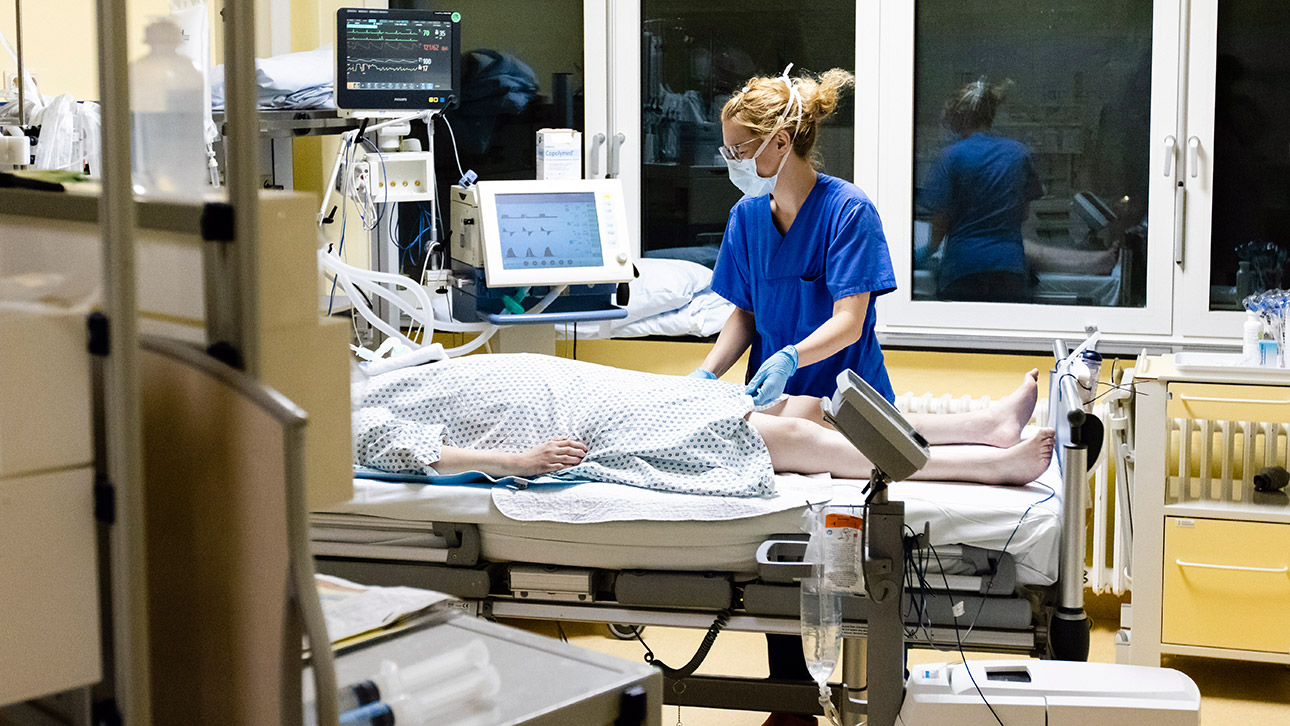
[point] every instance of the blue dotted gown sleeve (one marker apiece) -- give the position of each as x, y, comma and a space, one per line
390, 444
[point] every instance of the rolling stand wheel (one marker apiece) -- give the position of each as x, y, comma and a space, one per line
1068, 635
625, 632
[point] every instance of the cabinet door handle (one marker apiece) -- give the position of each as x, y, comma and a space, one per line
1193, 157
596, 142
615, 152
1209, 399
1241, 568
1171, 145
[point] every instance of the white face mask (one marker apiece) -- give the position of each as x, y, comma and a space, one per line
743, 172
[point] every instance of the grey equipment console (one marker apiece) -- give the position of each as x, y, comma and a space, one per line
875, 428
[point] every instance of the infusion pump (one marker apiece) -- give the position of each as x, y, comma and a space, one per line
542, 232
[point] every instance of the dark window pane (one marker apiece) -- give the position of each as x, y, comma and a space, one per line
1249, 250
1031, 150
694, 55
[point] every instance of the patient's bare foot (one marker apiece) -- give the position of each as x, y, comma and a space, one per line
1006, 418
1025, 462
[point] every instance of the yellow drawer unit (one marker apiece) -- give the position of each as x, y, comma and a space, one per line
1229, 402
1226, 584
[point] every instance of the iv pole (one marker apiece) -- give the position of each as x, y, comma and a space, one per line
22, 86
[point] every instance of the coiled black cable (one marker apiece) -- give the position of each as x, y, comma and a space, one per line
697, 659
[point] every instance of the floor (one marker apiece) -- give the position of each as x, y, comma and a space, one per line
1232, 692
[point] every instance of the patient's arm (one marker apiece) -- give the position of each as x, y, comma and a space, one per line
541, 459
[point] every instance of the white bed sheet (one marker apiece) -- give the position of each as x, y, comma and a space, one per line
972, 514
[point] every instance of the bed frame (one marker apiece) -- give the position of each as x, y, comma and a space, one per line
1041, 621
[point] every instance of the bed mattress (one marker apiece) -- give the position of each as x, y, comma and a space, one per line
1023, 520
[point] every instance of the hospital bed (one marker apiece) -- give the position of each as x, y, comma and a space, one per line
1005, 574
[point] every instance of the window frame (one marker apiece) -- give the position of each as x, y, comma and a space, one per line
1197, 121
885, 41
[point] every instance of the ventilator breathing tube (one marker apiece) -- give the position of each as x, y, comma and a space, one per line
351, 279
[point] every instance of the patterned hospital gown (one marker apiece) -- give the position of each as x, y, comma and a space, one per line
654, 431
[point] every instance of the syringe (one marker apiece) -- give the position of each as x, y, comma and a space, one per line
391, 681
466, 696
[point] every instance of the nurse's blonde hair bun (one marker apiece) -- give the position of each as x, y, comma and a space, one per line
766, 104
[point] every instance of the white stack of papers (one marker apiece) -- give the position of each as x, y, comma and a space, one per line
352, 609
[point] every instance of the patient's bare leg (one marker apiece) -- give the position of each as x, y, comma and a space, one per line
999, 425
800, 446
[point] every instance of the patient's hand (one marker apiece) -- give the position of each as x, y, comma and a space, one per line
550, 457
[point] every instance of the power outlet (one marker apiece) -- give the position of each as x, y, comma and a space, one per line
362, 175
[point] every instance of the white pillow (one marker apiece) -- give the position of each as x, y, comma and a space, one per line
708, 313
664, 285
702, 317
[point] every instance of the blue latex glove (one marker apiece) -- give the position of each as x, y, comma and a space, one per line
768, 382
703, 373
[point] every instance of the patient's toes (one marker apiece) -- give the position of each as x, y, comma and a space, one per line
1033, 456
1013, 411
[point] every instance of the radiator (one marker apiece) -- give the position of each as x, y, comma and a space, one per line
1215, 461
1110, 542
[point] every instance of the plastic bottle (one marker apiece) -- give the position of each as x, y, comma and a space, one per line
169, 156
1251, 332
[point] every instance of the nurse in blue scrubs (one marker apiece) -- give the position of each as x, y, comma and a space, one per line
804, 257
803, 260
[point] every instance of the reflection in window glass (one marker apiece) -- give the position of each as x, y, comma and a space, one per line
1031, 151
693, 57
1249, 250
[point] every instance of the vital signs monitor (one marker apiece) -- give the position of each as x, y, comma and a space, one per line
543, 232
397, 60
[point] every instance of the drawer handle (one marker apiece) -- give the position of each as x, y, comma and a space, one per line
1208, 399
1274, 570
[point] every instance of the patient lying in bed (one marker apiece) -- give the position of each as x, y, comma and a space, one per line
528, 415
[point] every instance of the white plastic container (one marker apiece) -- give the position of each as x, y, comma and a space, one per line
1251, 332
169, 151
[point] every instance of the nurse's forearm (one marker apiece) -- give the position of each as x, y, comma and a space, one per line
735, 337
940, 227
838, 332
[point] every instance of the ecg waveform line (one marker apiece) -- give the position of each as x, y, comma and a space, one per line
390, 64
371, 46
383, 35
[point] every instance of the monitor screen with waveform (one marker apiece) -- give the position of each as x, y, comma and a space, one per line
549, 230
397, 59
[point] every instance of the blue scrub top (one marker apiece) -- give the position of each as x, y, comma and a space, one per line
834, 249
982, 183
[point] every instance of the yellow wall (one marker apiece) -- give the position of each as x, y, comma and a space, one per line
919, 372
60, 42
58, 45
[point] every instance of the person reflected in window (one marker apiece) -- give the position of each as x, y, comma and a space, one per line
979, 194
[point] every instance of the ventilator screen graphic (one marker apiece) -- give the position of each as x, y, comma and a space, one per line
549, 230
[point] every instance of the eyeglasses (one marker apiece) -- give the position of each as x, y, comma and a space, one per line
730, 152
